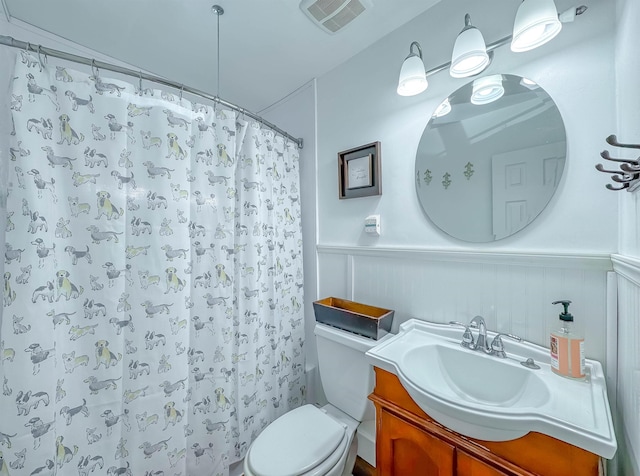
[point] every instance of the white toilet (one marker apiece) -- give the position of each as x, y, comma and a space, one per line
311, 441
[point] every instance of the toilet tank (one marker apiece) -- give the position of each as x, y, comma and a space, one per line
347, 377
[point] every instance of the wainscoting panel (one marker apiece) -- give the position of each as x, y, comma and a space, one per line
513, 292
628, 404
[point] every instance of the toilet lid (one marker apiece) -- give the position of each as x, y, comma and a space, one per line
295, 443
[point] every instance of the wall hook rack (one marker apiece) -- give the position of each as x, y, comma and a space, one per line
628, 174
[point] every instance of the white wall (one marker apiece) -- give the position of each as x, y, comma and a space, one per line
628, 120
357, 104
419, 271
627, 264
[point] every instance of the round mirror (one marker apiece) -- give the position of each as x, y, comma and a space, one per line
490, 158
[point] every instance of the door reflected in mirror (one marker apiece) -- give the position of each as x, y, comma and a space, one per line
486, 169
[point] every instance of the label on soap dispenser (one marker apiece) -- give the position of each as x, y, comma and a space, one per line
576, 358
567, 356
554, 344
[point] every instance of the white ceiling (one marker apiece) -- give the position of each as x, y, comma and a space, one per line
268, 48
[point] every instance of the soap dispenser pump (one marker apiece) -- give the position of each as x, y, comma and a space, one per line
567, 347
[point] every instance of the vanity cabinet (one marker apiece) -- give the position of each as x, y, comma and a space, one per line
406, 447
410, 443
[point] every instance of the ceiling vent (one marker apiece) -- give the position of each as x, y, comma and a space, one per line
333, 15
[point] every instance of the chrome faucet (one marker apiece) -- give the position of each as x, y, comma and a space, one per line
467, 338
481, 342
497, 347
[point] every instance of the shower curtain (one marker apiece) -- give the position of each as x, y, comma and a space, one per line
152, 311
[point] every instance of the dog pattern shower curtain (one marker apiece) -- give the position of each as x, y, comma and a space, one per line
152, 320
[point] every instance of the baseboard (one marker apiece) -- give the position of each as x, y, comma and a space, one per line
367, 441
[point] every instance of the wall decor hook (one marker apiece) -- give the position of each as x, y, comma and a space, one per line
601, 168
631, 168
629, 172
605, 155
613, 140
625, 178
611, 187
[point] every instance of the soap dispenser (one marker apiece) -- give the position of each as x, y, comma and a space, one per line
567, 347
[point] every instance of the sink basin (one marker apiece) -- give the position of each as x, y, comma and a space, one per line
474, 377
494, 399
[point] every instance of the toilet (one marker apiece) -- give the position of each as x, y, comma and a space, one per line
312, 441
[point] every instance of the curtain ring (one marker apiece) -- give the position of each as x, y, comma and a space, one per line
140, 82
181, 91
94, 69
40, 57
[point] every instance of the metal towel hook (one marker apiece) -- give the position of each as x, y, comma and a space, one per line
629, 172
617, 189
605, 155
613, 140
618, 174
632, 168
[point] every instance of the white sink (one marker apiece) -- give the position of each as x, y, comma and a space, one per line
494, 399
474, 377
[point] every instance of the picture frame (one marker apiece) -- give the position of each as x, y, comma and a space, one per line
359, 172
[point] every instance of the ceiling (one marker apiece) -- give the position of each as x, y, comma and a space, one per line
268, 48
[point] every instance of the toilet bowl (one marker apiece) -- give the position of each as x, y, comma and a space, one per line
312, 441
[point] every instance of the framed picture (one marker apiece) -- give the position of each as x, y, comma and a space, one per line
359, 172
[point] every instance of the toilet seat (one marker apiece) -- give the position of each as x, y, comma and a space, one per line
305, 441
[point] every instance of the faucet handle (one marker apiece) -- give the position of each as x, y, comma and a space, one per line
467, 336
497, 346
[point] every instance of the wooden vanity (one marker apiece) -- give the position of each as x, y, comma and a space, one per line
410, 443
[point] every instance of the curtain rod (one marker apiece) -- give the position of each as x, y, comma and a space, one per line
43, 50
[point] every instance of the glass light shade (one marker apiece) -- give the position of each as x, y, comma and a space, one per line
487, 89
443, 109
469, 54
529, 84
413, 79
536, 23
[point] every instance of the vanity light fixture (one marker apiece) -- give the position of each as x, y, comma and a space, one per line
487, 89
469, 52
413, 78
537, 22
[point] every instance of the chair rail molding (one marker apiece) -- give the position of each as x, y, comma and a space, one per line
627, 267
553, 259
